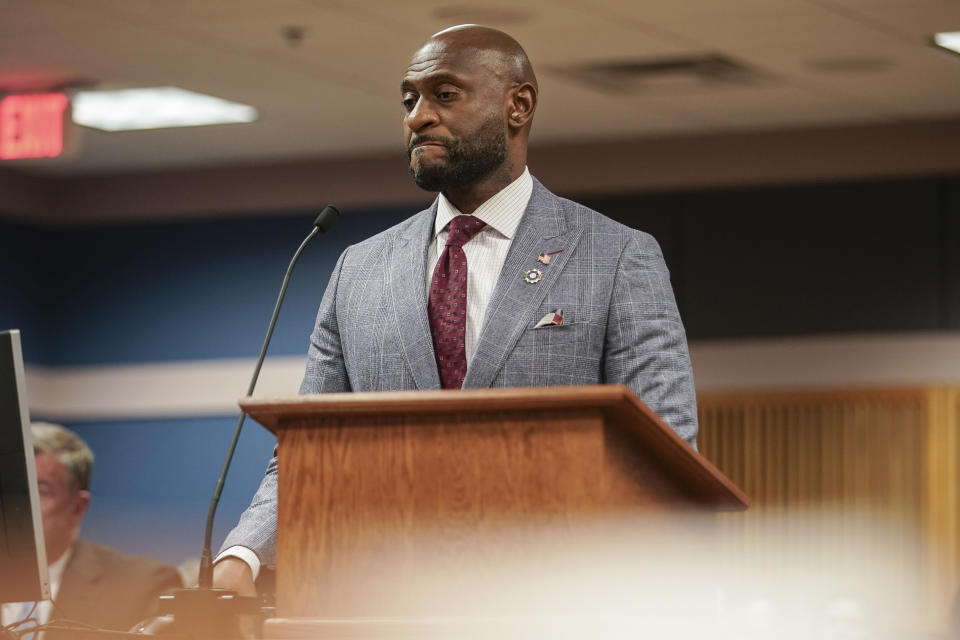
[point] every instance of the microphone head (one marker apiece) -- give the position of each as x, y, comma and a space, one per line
327, 218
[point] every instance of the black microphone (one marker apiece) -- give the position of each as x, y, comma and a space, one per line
323, 222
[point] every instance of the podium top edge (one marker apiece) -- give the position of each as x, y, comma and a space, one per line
473, 400
614, 400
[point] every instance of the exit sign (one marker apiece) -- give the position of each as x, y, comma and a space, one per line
31, 125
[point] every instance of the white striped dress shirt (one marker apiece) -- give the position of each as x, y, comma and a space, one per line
486, 251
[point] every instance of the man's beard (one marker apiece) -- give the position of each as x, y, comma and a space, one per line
468, 159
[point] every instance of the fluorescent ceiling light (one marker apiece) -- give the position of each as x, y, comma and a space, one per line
155, 108
948, 40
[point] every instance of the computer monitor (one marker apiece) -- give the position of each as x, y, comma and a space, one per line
23, 558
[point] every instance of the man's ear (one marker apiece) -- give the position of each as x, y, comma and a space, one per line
523, 102
81, 502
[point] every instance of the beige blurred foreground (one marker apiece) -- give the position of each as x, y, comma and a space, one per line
631, 578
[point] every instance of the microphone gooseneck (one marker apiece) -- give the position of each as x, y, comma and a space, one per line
322, 223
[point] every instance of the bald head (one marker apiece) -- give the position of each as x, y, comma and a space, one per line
497, 47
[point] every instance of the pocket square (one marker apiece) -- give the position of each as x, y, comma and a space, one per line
552, 319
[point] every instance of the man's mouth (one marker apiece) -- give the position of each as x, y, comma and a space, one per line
425, 143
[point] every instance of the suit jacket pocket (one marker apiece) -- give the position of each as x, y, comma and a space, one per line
556, 339
556, 334
554, 355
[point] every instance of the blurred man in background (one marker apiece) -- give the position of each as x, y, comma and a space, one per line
89, 583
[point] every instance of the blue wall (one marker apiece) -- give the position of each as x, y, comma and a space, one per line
176, 291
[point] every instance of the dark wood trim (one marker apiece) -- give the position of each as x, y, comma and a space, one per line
881, 151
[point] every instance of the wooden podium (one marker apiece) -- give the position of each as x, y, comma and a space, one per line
381, 493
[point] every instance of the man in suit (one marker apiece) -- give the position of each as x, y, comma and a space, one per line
499, 283
90, 584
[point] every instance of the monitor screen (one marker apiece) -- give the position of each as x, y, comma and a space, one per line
23, 560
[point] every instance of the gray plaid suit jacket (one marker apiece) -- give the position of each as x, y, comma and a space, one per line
620, 324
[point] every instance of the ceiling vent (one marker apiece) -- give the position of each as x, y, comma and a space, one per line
674, 74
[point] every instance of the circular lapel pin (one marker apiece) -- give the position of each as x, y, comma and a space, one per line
533, 276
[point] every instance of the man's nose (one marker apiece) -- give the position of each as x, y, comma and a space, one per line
421, 116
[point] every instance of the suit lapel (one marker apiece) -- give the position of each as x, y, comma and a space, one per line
514, 300
75, 597
408, 284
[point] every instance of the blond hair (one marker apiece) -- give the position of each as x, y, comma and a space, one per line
67, 448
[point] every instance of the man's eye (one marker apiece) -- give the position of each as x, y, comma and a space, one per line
446, 95
409, 103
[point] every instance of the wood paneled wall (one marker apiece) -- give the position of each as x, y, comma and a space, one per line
851, 475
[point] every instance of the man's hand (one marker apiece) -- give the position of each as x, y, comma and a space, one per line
234, 574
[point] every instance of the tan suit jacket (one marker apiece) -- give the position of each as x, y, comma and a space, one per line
110, 590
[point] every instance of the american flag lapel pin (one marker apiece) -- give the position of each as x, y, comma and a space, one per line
544, 257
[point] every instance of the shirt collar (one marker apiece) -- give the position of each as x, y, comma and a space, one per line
55, 570
502, 211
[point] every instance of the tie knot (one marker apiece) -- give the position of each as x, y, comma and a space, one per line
462, 228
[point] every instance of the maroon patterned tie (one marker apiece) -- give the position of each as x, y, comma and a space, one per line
448, 303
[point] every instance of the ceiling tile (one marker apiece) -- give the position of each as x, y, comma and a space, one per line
336, 91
